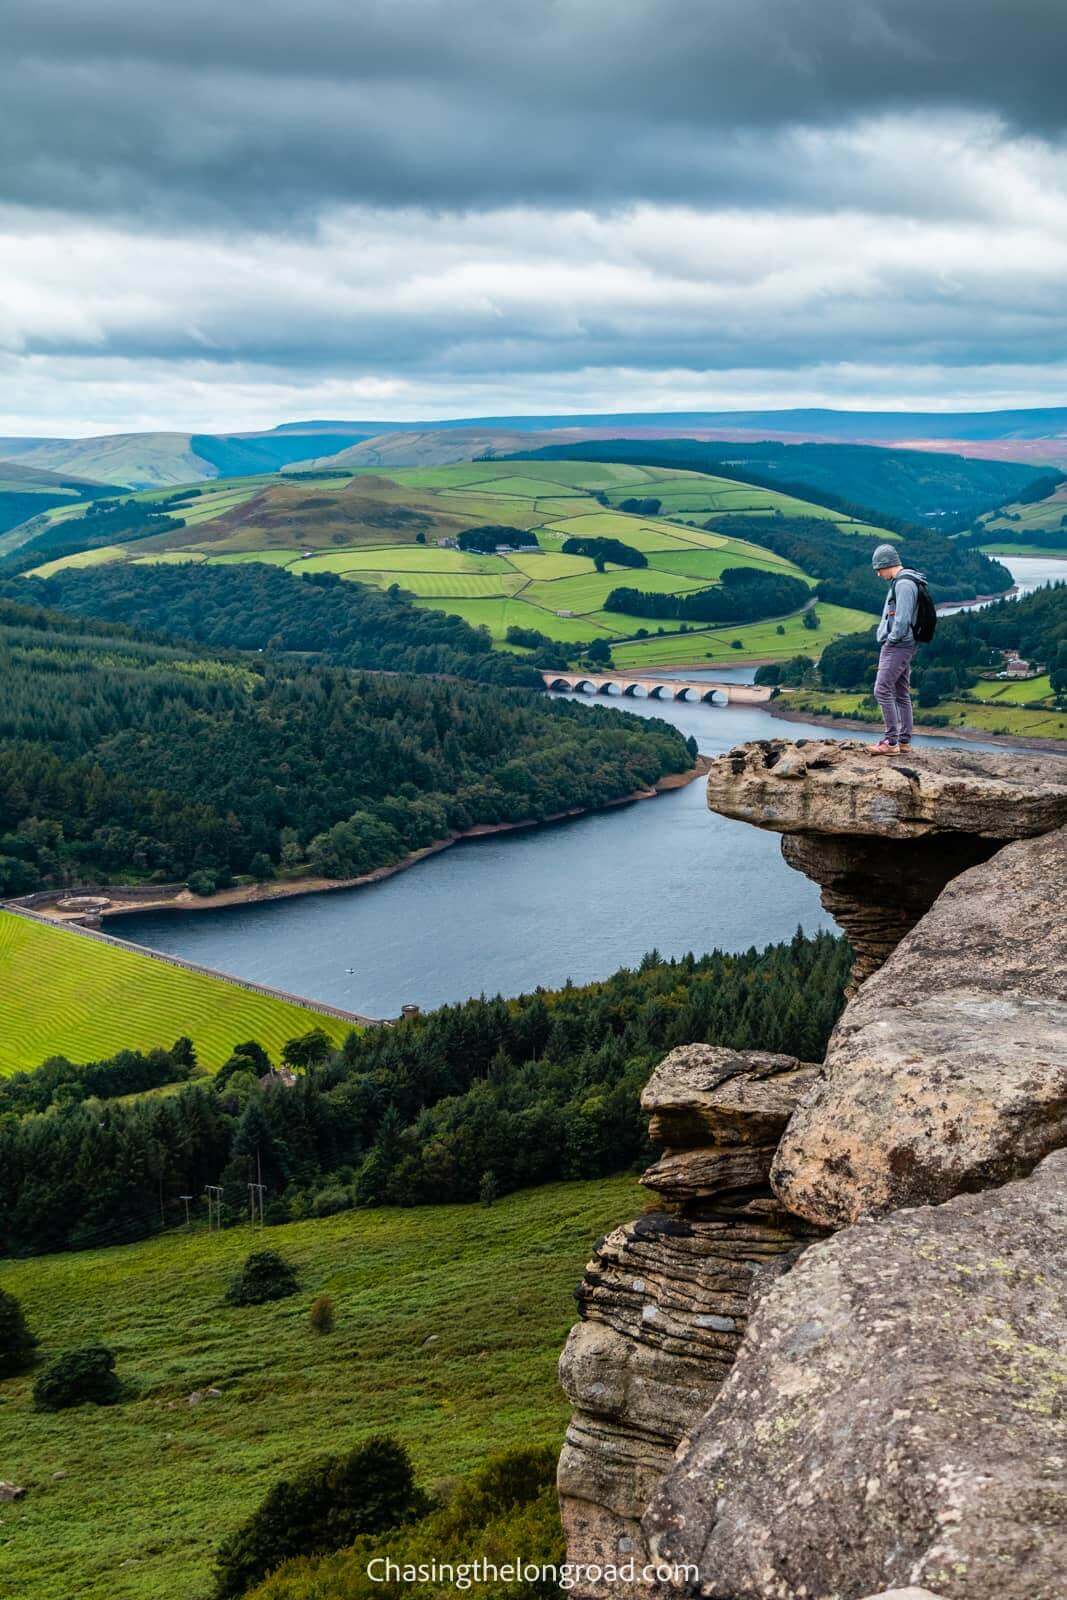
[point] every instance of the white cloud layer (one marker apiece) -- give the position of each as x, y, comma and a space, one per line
243, 258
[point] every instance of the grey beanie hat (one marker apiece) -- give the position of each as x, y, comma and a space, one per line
886, 555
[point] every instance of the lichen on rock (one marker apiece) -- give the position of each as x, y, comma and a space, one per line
880, 1412
897, 1415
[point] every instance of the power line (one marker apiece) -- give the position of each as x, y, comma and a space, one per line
213, 1191
256, 1192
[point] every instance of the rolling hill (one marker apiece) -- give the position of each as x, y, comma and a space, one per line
929, 488
160, 460
26, 492
399, 528
1035, 437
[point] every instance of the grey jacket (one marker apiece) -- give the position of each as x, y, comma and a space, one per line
896, 624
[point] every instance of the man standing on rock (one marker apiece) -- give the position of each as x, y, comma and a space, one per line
897, 637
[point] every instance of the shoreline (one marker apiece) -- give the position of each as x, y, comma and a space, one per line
1053, 747
264, 893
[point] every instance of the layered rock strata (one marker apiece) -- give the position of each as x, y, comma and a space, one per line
666, 1298
894, 1423
896, 1415
883, 837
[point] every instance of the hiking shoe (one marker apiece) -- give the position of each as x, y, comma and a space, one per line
883, 748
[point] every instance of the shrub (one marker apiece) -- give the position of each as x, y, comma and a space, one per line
323, 1508
77, 1378
265, 1276
507, 1511
321, 1316
17, 1343
328, 1202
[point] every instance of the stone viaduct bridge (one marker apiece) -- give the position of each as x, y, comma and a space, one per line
716, 694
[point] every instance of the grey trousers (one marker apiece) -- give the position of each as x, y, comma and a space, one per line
892, 690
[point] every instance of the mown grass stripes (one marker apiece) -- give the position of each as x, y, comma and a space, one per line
62, 994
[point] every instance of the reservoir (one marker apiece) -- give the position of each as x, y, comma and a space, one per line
506, 912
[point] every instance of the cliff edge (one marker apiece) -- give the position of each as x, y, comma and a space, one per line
831, 1361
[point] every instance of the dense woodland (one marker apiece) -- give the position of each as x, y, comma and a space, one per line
1053, 539
744, 594
257, 607
485, 539
469, 1101
842, 561
601, 551
104, 522
124, 758
964, 645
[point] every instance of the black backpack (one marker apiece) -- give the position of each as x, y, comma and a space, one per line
924, 623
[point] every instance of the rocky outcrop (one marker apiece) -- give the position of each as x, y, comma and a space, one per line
897, 1415
894, 1424
882, 837
947, 1072
665, 1299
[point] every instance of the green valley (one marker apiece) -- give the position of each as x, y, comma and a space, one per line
400, 529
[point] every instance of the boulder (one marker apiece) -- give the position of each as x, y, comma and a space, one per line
10, 1492
831, 786
702, 1094
882, 837
947, 1072
896, 1417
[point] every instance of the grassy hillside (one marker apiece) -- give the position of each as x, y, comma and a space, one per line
934, 488
1003, 716
760, 641
63, 994
139, 459
450, 1321
384, 530
1021, 518
27, 492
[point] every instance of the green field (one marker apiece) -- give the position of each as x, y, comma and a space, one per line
1003, 548
1047, 513
996, 717
63, 994
450, 1321
102, 556
760, 641
399, 528
1007, 691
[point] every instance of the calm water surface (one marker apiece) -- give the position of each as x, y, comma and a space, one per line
502, 914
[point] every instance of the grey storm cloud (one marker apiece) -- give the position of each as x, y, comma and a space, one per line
213, 108
253, 211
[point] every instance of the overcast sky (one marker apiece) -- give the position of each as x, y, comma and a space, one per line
225, 215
